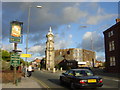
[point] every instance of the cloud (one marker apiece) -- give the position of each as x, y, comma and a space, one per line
61, 42
9, 47
100, 58
93, 20
92, 40
52, 14
37, 49
68, 26
73, 14
70, 36
99, 16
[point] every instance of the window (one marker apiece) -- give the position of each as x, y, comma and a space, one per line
110, 33
111, 46
112, 61
71, 73
60, 53
68, 52
83, 73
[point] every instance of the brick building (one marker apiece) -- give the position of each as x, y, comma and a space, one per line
112, 47
79, 55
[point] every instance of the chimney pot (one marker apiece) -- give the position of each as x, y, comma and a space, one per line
117, 20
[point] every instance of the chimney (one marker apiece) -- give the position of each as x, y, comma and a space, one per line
117, 20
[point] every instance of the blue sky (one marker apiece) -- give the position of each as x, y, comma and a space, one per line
73, 24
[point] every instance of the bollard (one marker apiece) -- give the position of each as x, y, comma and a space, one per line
48, 69
53, 70
38, 69
61, 69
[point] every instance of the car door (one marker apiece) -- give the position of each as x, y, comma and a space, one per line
65, 77
70, 76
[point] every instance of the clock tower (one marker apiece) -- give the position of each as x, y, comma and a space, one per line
50, 50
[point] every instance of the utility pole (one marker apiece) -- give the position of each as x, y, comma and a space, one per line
92, 50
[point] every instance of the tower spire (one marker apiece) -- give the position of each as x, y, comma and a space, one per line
50, 30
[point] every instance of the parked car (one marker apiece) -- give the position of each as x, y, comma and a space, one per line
81, 78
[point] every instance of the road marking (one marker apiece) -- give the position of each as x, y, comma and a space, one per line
42, 83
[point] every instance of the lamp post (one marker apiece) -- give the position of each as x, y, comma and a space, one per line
93, 61
28, 29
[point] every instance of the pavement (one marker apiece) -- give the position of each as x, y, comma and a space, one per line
26, 82
105, 74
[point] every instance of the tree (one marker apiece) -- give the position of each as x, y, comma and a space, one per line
5, 55
22, 61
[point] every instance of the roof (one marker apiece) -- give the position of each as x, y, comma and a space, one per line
109, 29
70, 60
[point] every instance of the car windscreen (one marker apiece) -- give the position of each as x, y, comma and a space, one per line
80, 73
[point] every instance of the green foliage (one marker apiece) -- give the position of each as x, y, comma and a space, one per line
22, 61
5, 65
6, 59
5, 55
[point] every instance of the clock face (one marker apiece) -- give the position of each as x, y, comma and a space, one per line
50, 38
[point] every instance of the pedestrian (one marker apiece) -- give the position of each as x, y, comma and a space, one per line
29, 70
24, 71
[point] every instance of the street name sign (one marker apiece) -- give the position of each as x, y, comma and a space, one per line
25, 55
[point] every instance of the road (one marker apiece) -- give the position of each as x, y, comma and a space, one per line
51, 80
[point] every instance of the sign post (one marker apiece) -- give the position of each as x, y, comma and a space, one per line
15, 37
15, 62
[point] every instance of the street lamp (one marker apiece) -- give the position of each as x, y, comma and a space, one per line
28, 28
39, 6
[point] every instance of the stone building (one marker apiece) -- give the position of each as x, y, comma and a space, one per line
50, 50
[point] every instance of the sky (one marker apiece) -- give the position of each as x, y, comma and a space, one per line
74, 25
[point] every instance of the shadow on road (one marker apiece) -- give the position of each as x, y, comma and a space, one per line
57, 82
67, 86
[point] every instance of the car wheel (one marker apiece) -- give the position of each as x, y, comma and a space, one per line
72, 86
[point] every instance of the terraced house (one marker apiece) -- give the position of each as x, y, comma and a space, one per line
112, 47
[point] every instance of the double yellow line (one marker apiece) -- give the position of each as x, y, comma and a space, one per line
41, 83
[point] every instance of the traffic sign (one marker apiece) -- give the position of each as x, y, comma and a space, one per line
15, 60
15, 63
25, 55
